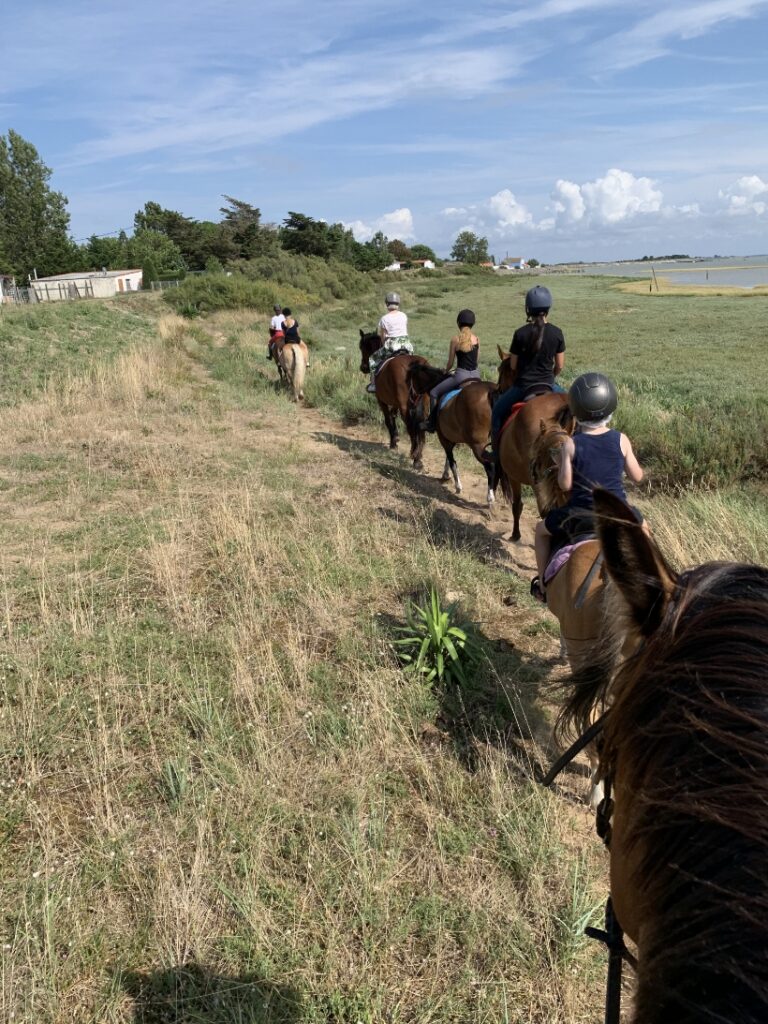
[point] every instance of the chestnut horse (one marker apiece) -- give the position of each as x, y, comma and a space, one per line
392, 393
465, 420
685, 752
513, 468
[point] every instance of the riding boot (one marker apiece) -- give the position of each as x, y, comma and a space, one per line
371, 387
431, 424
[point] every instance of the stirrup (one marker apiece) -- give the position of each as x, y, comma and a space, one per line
371, 388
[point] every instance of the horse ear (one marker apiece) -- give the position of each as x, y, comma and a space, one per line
634, 562
362, 333
502, 353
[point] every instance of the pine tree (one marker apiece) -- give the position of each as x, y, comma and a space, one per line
34, 222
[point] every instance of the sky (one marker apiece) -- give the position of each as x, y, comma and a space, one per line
560, 129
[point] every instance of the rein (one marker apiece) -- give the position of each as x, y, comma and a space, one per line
612, 934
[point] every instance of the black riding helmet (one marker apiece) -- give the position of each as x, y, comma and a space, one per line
592, 397
466, 318
538, 300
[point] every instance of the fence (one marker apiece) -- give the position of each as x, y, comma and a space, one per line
161, 286
10, 294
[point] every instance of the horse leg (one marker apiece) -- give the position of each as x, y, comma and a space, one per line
390, 419
449, 446
417, 439
517, 508
478, 451
446, 470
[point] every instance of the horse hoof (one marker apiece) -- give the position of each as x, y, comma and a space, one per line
445, 477
516, 535
459, 489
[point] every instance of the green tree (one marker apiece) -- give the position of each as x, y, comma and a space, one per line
422, 252
470, 248
400, 250
34, 222
148, 272
154, 245
184, 232
250, 237
533, 263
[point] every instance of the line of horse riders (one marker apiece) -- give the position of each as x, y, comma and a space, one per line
667, 691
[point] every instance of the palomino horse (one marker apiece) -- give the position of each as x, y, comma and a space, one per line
685, 752
514, 451
293, 364
465, 420
392, 393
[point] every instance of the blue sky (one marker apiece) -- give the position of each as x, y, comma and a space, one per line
562, 129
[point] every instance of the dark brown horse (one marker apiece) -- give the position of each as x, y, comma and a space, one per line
392, 393
465, 420
513, 468
685, 746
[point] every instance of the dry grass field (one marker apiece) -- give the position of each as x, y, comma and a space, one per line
223, 800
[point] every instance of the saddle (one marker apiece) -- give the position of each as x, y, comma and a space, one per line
391, 355
532, 392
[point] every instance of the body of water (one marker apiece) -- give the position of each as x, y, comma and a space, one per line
734, 271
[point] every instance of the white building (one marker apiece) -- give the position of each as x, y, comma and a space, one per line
98, 284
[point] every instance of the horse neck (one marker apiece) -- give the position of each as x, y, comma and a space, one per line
718, 975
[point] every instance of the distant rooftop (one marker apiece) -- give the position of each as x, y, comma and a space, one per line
87, 274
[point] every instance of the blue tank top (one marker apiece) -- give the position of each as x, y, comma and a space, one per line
597, 462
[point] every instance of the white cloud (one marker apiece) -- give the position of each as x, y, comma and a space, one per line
616, 197
743, 195
508, 211
569, 202
652, 37
397, 224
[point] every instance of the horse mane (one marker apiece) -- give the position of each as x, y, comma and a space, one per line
422, 377
369, 341
688, 723
543, 466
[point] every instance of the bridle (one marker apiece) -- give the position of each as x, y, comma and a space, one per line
612, 934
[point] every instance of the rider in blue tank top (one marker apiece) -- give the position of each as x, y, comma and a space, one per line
595, 456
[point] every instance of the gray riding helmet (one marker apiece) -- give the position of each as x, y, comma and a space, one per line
538, 300
392, 299
277, 308
592, 397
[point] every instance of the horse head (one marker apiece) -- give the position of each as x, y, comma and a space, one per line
369, 342
685, 749
506, 373
545, 461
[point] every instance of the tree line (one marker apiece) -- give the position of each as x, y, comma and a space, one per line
35, 238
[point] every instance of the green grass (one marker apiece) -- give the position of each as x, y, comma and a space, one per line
41, 345
691, 370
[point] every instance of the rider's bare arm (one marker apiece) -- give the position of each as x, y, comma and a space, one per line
632, 467
559, 362
565, 473
451, 355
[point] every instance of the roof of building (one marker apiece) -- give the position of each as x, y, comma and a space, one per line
84, 275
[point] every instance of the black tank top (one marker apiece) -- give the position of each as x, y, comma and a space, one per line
467, 360
292, 332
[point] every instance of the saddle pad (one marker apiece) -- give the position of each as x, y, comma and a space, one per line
445, 399
513, 412
560, 557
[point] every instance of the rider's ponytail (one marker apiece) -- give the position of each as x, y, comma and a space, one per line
539, 324
464, 343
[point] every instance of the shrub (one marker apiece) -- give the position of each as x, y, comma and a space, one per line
434, 647
210, 292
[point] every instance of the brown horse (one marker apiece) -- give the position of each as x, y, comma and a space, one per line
392, 393
514, 449
465, 420
685, 749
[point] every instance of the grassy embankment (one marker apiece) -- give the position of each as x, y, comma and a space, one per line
222, 799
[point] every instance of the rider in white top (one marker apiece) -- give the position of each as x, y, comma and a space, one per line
393, 331
275, 328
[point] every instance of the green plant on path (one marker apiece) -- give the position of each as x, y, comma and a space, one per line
434, 646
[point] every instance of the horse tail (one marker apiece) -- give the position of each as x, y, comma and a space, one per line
502, 480
299, 369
